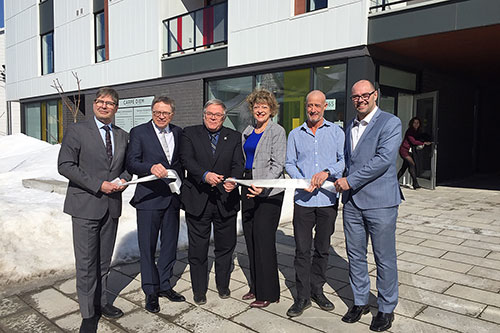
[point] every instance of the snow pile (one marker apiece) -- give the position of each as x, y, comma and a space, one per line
36, 236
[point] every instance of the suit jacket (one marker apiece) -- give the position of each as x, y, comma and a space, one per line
371, 167
269, 158
83, 160
197, 158
145, 150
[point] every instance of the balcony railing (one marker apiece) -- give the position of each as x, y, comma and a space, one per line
200, 29
383, 5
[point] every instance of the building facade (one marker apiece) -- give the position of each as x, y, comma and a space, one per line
430, 58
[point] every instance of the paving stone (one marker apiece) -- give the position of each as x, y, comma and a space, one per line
328, 322
409, 325
68, 287
482, 245
474, 294
423, 282
436, 262
471, 236
459, 278
11, 305
408, 240
72, 322
485, 273
407, 266
263, 321
27, 322
484, 227
455, 248
52, 303
125, 305
491, 314
200, 320
482, 262
226, 308
421, 249
494, 256
439, 238
419, 228
143, 321
441, 301
457, 321
408, 308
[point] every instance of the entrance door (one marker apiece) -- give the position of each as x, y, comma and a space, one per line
425, 108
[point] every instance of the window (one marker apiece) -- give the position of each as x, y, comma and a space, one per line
43, 120
33, 120
316, 4
332, 81
48, 53
100, 37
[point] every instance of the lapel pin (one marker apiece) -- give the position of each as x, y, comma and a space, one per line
225, 138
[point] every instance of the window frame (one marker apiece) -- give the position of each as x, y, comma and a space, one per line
50, 61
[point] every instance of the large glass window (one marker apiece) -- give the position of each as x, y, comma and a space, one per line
100, 37
48, 53
52, 122
332, 81
33, 120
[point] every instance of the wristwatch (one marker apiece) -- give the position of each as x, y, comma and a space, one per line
328, 172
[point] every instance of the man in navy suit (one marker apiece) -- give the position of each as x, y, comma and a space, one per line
154, 148
210, 153
371, 198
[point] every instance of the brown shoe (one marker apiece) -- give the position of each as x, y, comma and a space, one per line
248, 295
261, 304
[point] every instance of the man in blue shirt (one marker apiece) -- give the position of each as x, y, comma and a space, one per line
315, 150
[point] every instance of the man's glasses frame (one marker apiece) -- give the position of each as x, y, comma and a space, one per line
163, 113
364, 97
100, 103
216, 115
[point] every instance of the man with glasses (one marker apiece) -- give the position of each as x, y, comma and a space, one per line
211, 153
371, 196
92, 157
315, 150
154, 148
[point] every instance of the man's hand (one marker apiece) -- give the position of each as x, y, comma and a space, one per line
229, 186
159, 170
317, 180
254, 191
108, 188
121, 187
213, 179
341, 185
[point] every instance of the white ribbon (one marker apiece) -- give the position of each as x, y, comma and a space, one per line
282, 183
175, 186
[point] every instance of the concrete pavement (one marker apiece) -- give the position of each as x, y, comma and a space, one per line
448, 243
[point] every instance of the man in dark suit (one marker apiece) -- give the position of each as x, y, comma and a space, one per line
154, 148
210, 153
92, 157
371, 198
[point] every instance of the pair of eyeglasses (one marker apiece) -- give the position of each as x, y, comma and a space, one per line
362, 96
162, 113
100, 102
216, 115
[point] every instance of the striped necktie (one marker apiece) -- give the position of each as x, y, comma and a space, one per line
164, 144
213, 142
109, 147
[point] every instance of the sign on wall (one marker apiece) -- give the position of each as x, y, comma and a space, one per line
133, 112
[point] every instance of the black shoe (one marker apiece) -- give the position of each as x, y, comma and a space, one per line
354, 314
224, 293
152, 304
382, 322
200, 299
298, 307
323, 302
110, 311
172, 295
89, 325
416, 186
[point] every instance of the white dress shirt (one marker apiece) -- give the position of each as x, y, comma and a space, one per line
169, 136
359, 127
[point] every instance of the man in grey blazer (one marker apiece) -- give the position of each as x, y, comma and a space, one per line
371, 196
92, 157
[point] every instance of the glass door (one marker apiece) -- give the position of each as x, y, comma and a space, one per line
425, 108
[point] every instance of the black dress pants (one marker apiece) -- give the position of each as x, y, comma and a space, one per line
310, 276
261, 217
199, 228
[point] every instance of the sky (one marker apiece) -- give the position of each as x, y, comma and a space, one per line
35, 237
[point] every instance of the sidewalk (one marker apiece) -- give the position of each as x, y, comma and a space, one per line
448, 243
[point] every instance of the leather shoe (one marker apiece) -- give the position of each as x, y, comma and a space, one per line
152, 304
261, 304
354, 314
248, 295
298, 307
110, 311
323, 302
172, 295
382, 321
224, 293
200, 299
89, 325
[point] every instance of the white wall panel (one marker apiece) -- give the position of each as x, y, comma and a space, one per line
273, 26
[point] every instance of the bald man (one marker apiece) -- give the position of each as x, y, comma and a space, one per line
371, 197
315, 151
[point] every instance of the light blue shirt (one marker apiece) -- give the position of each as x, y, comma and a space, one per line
100, 124
308, 154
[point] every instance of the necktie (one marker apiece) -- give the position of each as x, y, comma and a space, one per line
109, 147
164, 145
213, 142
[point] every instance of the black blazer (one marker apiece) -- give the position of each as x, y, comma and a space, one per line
145, 150
197, 158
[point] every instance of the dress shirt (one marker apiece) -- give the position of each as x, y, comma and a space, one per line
359, 127
169, 136
100, 125
308, 154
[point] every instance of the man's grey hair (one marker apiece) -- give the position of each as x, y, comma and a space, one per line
214, 101
163, 99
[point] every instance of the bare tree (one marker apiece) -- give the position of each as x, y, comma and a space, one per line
72, 105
